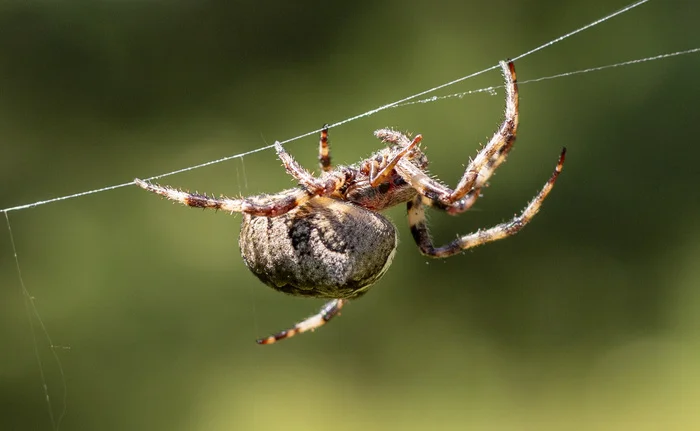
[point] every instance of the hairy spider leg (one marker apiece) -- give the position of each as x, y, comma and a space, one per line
311, 323
483, 176
480, 168
457, 207
324, 186
501, 142
421, 234
376, 178
393, 137
324, 151
263, 205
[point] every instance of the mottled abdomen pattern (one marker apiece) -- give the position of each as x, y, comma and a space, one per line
325, 248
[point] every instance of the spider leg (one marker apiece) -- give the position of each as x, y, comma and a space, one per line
457, 207
483, 165
377, 178
419, 229
500, 144
326, 313
324, 151
264, 205
323, 186
463, 204
393, 137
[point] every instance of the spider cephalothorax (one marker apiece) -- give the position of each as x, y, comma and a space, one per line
325, 237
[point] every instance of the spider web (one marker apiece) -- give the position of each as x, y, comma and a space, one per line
39, 330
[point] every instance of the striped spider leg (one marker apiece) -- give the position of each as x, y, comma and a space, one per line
421, 234
262, 205
480, 168
491, 156
329, 310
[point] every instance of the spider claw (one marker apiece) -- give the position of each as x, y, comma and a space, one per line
562, 156
281, 153
268, 340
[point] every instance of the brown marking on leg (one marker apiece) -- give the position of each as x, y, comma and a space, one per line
421, 234
327, 312
501, 142
324, 151
271, 206
479, 170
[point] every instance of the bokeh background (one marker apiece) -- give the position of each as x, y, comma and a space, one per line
587, 320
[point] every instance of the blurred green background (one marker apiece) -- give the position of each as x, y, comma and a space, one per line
587, 320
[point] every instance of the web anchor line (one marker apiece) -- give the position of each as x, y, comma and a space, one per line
492, 89
32, 314
339, 123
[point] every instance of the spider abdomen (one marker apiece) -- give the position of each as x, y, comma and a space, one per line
325, 248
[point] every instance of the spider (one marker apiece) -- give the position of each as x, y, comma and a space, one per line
325, 238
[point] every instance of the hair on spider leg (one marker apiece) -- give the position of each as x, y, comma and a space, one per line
326, 238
